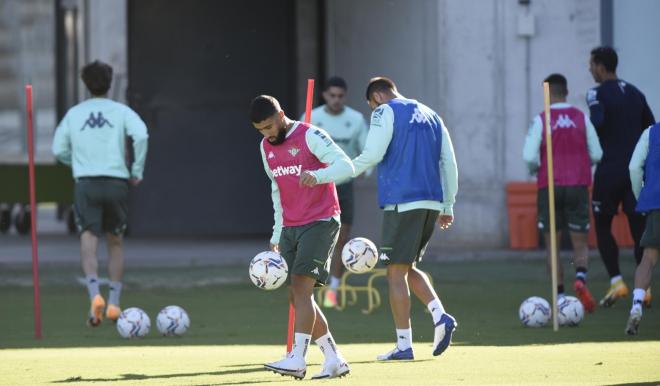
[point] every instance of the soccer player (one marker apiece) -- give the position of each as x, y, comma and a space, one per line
620, 113
645, 180
348, 129
417, 185
303, 162
91, 139
575, 148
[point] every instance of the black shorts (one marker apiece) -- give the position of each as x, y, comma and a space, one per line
571, 208
651, 236
406, 235
610, 190
307, 249
345, 195
101, 205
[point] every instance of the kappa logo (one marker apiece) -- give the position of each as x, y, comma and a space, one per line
384, 257
294, 151
96, 122
564, 122
315, 271
418, 117
271, 155
282, 171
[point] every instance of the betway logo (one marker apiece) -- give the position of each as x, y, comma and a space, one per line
281, 171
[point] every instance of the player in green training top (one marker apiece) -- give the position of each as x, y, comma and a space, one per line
348, 129
91, 139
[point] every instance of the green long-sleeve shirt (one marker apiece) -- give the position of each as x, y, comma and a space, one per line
91, 139
378, 140
637, 162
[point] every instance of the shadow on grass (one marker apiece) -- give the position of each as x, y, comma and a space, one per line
656, 383
136, 377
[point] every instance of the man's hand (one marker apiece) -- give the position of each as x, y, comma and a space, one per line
445, 221
135, 181
275, 247
307, 179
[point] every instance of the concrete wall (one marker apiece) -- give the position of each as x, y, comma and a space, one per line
466, 60
636, 32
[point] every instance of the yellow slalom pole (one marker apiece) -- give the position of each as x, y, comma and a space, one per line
551, 204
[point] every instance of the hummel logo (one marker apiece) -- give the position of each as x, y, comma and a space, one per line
315, 271
564, 122
418, 117
384, 257
96, 122
271, 155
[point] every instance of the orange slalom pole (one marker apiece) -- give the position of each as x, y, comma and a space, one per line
33, 213
308, 118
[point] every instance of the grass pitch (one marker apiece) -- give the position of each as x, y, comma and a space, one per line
236, 328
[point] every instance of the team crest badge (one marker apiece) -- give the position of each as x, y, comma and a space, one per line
294, 151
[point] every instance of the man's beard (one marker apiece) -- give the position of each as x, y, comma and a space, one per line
281, 136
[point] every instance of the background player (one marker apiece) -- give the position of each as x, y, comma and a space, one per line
417, 185
620, 113
645, 181
575, 148
348, 129
91, 139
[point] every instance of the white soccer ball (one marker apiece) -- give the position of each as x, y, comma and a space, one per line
268, 270
172, 320
133, 323
359, 255
570, 311
534, 312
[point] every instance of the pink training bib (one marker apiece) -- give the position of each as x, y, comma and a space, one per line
301, 204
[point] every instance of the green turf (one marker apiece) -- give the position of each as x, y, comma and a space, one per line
490, 346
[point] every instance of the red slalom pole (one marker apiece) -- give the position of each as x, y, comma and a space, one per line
33, 213
308, 118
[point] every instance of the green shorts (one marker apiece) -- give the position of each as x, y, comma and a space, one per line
345, 196
307, 249
406, 235
101, 205
571, 208
651, 236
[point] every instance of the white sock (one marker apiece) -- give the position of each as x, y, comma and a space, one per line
115, 292
300, 344
334, 282
404, 338
615, 279
328, 346
436, 309
638, 295
92, 282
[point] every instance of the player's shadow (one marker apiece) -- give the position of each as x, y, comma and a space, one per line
656, 383
136, 377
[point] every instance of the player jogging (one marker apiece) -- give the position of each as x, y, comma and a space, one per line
303, 162
575, 148
645, 180
417, 185
348, 129
620, 113
91, 139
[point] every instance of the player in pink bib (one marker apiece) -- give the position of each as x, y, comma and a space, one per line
303, 163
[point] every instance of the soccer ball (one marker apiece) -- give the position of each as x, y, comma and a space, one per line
534, 312
133, 323
569, 311
268, 270
359, 255
172, 320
